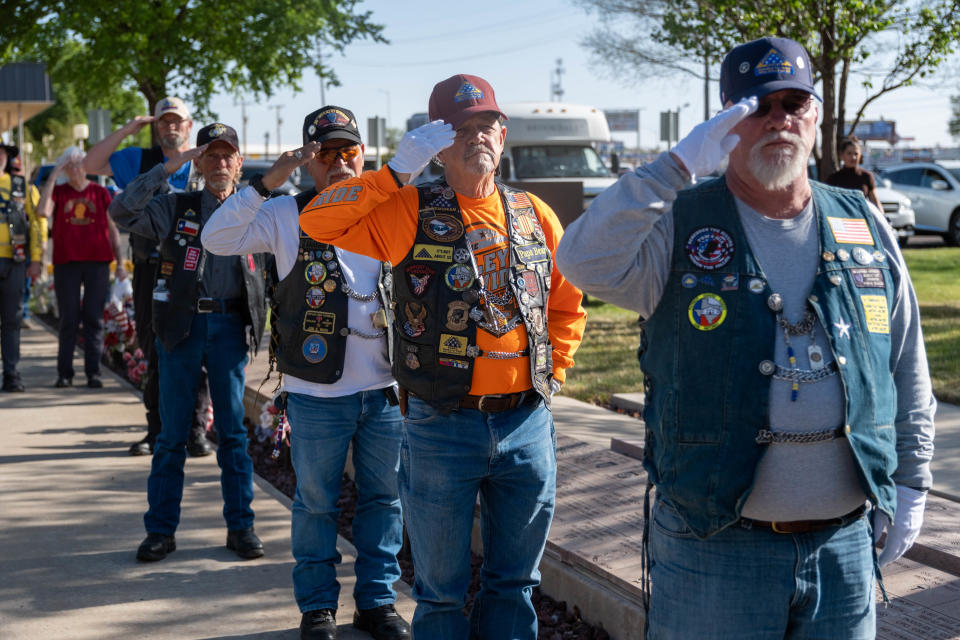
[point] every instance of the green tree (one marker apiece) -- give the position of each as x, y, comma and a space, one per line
909, 40
183, 47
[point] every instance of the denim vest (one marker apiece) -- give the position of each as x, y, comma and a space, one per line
708, 353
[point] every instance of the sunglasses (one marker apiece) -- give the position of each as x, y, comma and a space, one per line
793, 105
329, 156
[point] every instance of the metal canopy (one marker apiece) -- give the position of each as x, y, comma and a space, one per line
25, 91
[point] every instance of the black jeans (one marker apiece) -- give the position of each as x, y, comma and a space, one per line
67, 279
12, 277
144, 272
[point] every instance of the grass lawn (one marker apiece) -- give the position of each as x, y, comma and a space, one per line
936, 277
606, 362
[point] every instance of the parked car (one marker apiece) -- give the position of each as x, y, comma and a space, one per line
253, 167
898, 211
44, 170
934, 192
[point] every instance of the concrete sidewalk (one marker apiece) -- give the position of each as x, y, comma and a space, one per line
72, 517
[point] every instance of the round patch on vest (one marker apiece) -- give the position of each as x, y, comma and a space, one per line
709, 248
329, 285
755, 285
461, 255
707, 311
327, 255
315, 272
315, 297
688, 281
525, 226
314, 349
442, 228
412, 361
458, 277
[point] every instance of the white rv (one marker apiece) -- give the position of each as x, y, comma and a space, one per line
549, 142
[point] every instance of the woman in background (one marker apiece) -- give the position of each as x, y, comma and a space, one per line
852, 175
85, 241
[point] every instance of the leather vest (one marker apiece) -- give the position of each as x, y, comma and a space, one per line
310, 319
441, 301
14, 216
708, 351
180, 270
144, 249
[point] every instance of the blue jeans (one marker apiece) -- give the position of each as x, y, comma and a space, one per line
216, 341
755, 584
509, 458
321, 429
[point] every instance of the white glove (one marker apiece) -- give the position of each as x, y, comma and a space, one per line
708, 144
418, 146
906, 524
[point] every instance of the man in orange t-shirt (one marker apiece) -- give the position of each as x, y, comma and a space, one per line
485, 328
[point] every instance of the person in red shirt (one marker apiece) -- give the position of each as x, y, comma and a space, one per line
85, 241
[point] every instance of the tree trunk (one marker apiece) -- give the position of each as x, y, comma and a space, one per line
153, 94
828, 130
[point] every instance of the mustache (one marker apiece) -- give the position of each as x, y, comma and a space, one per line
781, 136
478, 150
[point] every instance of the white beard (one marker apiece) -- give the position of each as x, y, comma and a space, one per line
778, 169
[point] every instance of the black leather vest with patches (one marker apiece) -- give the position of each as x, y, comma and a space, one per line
441, 301
310, 320
180, 270
14, 216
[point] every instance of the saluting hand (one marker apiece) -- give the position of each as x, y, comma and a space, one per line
137, 123
708, 144
173, 164
418, 146
287, 162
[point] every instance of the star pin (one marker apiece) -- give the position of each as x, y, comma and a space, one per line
844, 328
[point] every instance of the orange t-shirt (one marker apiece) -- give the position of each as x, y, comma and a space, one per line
371, 215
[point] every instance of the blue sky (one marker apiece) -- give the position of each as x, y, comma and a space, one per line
515, 45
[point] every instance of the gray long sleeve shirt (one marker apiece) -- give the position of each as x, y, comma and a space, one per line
793, 482
146, 207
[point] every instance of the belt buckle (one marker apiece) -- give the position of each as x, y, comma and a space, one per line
202, 310
484, 398
773, 525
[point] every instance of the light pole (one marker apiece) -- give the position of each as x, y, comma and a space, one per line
386, 93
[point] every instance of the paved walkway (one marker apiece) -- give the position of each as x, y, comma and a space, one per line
71, 502
71, 507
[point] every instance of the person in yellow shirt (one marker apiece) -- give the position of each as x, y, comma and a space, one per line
22, 237
485, 328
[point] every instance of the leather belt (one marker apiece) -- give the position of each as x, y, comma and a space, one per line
804, 526
497, 402
219, 305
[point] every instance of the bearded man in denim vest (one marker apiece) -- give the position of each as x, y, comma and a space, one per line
789, 410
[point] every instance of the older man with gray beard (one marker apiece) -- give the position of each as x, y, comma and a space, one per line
787, 391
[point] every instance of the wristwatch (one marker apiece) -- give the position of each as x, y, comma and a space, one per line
257, 183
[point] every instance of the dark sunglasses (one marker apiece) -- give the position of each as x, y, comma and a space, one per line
793, 105
329, 156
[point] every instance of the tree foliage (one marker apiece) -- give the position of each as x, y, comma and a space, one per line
891, 43
189, 48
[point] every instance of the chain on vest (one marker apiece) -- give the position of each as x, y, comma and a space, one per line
180, 271
310, 319
441, 298
15, 217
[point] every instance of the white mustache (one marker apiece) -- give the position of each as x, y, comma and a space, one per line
781, 136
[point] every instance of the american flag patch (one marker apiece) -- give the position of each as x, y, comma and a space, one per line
850, 230
519, 200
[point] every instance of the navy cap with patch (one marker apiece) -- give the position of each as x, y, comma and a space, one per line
763, 66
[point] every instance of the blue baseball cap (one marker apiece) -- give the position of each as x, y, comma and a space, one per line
763, 66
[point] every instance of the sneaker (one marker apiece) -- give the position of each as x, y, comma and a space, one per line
13, 383
94, 382
63, 382
142, 448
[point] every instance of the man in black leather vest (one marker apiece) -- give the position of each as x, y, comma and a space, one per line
331, 310
202, 308
171, 120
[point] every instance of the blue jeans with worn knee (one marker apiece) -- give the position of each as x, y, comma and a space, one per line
509, 459
217, 341
755, 584
321, 430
